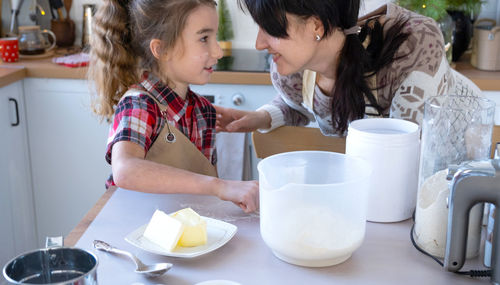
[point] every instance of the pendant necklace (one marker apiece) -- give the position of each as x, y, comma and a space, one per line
170, 137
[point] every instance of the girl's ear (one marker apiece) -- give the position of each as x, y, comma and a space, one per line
155, 47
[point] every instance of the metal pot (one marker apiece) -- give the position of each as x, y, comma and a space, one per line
53, 266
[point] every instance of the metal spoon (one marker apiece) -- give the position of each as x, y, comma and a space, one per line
153, 270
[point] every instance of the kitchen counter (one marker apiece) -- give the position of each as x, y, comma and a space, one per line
385, 257
485, 80
11, 74
44, 68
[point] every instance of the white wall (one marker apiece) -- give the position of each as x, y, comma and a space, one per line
246, 30
76, 14
370, 5
490, 9
244, 27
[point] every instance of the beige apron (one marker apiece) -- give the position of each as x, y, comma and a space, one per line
181, 153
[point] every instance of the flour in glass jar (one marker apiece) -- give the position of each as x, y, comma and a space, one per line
431, 217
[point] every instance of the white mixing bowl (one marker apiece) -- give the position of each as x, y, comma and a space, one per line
313, 206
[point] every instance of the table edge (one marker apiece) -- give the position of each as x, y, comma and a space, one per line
74, 236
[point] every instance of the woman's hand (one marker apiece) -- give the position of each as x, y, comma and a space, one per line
233, 120
245, 194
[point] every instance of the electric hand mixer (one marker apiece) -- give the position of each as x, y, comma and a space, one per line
472, 182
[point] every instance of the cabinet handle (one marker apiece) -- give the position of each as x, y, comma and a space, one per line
17, 112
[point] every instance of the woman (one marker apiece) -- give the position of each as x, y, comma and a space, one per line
331, 67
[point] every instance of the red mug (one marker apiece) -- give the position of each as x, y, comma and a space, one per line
9, 51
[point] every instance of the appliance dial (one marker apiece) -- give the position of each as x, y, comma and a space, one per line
238, 99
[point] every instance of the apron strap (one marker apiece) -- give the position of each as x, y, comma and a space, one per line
180, 153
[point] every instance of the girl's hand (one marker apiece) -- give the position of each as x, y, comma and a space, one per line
245, 194
233, 120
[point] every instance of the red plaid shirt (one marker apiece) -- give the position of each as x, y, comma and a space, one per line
138, 118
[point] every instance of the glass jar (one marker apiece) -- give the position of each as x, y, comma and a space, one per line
454, 129
32, 41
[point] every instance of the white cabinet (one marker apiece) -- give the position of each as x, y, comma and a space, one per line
67, 146
17, 220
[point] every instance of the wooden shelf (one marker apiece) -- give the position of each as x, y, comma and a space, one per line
485, 80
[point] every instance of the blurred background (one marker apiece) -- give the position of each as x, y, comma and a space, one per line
244, 27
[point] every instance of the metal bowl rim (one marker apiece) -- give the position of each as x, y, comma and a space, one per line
91, 271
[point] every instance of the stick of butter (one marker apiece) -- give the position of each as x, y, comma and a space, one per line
195, 227
164, 230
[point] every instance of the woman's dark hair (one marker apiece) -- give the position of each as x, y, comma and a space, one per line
355, 62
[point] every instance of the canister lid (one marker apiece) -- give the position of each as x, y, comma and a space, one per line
29, 28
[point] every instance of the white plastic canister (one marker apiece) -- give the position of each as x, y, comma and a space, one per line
391, 147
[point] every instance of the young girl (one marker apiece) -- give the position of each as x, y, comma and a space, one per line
144, 55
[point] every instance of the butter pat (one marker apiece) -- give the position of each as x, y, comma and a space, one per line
195, 228
164, 230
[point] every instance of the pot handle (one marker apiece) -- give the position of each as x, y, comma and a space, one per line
51, 242
491, 34
53, 45
487, 20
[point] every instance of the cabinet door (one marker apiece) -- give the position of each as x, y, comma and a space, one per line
67, 146
18, 231
6, 224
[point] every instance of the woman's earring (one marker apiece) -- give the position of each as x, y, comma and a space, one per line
318, 38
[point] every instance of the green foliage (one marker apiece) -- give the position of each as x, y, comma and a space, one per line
470, 7
435, 9
225, 32
225, 63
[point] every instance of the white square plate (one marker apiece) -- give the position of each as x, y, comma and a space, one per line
218, 234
